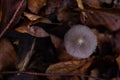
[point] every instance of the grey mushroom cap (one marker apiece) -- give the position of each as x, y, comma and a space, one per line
80, 41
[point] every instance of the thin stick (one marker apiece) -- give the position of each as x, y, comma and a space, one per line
23, 64
12, 19
50, 74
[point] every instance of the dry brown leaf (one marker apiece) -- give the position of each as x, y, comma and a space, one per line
35, 5
64, 67
7, 54
108, 20
83, 69
37, 31
96, 3
34, 30
52, 6
56, 41
24, 27
92, 3
31, 17
68, 16
80, 4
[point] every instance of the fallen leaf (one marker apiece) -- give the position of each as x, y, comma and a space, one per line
80, 4
33, 30
64, 67
95, 3
51, 6
7, 55
98, 3
67, 15
84, 68
35, 5
56, 41
31, 17
108, 20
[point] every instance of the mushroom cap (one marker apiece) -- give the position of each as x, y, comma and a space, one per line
80, 41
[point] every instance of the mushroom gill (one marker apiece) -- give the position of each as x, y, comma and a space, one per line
80, 41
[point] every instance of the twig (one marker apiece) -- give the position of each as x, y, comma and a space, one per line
22, 65
49, 74
12, 19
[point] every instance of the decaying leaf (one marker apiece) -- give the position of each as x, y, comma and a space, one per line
91, 3
35, 5
99, 3
31, 17
80, 4
7, 55
75, 67
40, 28
52, 6
108, 20
34, 30
68, 16
56, 41
64, 67
83, 69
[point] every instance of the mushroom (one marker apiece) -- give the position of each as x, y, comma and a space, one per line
80, 41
